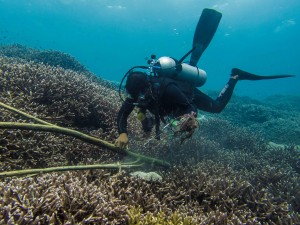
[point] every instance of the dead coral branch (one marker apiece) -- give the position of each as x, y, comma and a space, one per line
70, 132
68, 168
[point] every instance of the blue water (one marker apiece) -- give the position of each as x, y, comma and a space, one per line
109, 37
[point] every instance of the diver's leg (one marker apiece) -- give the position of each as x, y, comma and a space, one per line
206, 103
225, 94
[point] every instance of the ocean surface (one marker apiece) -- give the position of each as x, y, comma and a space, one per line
109, 37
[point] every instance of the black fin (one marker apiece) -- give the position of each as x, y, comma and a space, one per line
243, 75
205, 31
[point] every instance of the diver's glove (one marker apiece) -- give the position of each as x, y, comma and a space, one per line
122, 141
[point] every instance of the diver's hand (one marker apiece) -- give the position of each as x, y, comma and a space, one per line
122, 141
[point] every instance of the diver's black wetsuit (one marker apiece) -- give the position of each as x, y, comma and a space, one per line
206, 103
176, 99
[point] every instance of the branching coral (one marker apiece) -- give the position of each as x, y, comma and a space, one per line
49, 57
59, 200
193, 195
24, 86
276, 118
63, 96
136, 217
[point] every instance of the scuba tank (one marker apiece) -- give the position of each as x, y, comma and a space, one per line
169, 67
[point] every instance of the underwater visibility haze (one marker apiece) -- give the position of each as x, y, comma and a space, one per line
109, 37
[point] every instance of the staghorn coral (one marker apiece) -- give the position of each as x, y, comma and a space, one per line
289, 103
49, 57
136, 217
205, 194
232, 137
28, 149
284, 130
69, 198
59, 96
275, 118
62, 96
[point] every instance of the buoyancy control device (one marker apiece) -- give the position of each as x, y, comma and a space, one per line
169, 67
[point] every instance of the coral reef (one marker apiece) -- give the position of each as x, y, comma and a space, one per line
207, 193
277, 118
62, 97
136, 217
226, 173
68, 97
48, 57
287, 102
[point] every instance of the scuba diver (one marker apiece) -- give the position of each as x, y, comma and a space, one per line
168, 89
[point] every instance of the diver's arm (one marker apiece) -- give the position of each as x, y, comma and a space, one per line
123, 114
